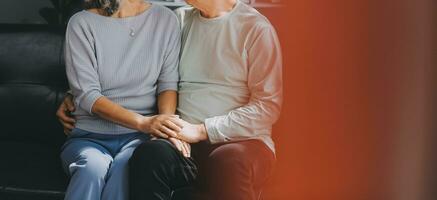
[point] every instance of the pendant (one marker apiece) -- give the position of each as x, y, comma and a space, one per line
132, 33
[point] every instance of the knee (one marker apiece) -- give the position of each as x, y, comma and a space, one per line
232, 157
94, 168
152, 153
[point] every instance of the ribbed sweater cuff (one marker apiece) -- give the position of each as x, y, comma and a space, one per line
173, 86
89, 99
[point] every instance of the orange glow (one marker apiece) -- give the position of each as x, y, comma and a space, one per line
348, 88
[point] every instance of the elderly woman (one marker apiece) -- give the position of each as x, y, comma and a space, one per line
230, 94
122, 66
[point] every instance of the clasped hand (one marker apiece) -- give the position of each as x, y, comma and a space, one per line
179, 132
171, 126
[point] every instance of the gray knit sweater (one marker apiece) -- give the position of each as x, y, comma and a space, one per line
128, 60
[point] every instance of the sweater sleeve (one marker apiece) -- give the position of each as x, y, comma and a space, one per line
81, 65
265, 85
169, 76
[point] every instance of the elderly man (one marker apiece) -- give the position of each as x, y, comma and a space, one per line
230, 95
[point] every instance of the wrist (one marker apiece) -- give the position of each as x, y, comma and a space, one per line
202, 131
167, 112
143, 123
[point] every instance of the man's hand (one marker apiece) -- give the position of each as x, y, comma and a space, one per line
163, 125
191, 133
182, 146
64, 114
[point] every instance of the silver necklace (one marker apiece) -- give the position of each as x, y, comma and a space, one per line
131, 28
132, 32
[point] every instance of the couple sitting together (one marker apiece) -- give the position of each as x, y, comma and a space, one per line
161, 100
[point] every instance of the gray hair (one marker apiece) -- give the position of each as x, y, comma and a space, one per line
109, 7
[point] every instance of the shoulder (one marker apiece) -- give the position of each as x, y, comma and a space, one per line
252, 22
81, 25
254, 25
78, 21
165, 14
251, 18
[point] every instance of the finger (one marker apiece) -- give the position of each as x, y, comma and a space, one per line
186, 149
66, 125
67, 132
176, 143
172, 126
177, 122
69, 104
159, 134
183, 151
61, 109
182, 148
168, 131
188, 145
61, 115
68, 119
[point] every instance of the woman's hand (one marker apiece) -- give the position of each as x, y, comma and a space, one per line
163, 126
191, 133
64, 114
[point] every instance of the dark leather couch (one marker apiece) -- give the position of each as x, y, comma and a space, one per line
32, 85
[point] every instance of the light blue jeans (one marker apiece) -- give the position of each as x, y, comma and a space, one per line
97, 164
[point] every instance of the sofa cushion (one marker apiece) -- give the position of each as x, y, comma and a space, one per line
32, 54
29, 113
32, 83
31, 168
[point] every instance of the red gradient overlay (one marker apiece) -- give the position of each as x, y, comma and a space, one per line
356, 85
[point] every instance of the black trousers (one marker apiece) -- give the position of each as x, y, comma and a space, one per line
228, 171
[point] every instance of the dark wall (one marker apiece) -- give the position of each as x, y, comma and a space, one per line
22, 11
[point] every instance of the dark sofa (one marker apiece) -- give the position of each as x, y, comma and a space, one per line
32, 85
